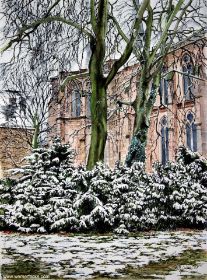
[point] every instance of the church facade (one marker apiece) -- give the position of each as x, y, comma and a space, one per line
179, 115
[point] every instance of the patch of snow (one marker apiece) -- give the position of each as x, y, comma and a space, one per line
81, 256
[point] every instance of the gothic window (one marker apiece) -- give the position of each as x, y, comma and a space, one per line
191, 132
164, 140
187, 80
76, 103
164, 90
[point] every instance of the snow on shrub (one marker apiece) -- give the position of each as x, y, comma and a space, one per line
40, 194
52, 195
178, 191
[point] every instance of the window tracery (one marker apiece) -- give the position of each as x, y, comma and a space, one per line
191, 132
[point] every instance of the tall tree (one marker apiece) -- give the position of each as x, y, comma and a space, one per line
64, 29
167, 25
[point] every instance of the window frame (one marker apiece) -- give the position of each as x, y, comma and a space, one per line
164, 89
164, 140
187, 67
191, 133
76, 103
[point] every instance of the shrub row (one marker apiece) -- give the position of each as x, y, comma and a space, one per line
52, 195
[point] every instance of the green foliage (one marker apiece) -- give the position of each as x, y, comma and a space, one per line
52, 195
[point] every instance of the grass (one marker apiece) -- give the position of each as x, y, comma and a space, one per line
159, 270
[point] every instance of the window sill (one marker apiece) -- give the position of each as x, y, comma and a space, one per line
74, 118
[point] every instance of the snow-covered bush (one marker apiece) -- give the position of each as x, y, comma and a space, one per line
52, 195
177, 193
129, 185
41, 192
6, 197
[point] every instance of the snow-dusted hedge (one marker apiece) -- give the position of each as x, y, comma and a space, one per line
52, 195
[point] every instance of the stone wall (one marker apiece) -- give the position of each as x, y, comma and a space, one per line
14, 146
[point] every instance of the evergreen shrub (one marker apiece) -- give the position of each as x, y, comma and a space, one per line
52, 195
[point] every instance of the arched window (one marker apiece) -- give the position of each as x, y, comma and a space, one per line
191, 132
164, 140
164, 89
76, 103
76, 94
187, 80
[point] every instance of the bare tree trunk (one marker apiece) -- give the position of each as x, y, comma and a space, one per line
143, 106
98, 93
138, 143
36, 126
98, 124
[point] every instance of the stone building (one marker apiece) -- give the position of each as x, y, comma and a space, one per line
179, 116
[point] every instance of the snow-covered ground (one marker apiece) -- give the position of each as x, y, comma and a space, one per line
82, 257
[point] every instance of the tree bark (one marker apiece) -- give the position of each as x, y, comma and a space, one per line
36, 126
138, 143
98, 103
98, 124
98, 112
143, 106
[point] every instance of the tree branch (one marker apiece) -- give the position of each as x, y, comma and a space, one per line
129, 46
120, 31
34, 25
102, 18
165, 50
148, 33
93, 15
185, 74
166, 28
123, 35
